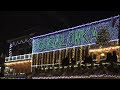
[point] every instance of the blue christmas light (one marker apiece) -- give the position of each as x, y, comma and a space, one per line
80, 35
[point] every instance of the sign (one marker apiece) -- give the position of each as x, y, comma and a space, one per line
80, 35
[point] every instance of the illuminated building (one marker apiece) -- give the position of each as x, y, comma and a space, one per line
19, 60
48, 51
2, 66
96, 38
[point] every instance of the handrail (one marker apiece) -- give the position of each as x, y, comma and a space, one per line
19, 57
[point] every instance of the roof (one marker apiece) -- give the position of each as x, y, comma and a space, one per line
76, 27
20, 38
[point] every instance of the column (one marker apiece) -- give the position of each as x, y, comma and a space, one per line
76, 54
80, 54
73, 52
46, 60
70, 53
50, 57
98, 57
47, 57
32, 59
41, 58
31, 62
36, 59
53, 57
66, 53
10, 50
59, 57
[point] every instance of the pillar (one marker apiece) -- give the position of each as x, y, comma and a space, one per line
53, 57
98, 57
41, 58
59, 57
73, 52
37, 59
66, 53
80, 54
10, 50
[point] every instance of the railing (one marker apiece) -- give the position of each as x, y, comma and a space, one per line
19, 57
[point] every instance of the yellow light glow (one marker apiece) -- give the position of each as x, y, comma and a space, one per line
104, 49
17, 62
102, 54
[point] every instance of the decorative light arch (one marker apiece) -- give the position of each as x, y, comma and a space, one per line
18, 42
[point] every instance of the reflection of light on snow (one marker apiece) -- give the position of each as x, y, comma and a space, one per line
70, 77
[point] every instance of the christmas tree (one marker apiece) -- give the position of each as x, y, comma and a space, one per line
103, 36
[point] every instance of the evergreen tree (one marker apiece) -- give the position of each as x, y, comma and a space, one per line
103, 36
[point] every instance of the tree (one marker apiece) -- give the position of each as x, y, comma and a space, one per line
103, 36
2, 65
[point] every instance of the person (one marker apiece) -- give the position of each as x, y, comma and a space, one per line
90, 59
114, 56
94, 56
86, 59
65, 61
73, 61
109, 57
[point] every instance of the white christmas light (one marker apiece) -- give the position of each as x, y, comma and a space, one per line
75, 27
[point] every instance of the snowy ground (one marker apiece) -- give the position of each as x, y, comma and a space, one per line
102, 76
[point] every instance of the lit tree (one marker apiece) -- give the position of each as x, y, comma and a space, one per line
103, 36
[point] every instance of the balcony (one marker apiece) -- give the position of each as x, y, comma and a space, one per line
18, 58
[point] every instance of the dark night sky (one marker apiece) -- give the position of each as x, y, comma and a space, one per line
17, 23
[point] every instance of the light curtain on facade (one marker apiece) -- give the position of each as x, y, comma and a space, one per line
80, 35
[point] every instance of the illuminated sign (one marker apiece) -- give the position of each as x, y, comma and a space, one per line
80, 35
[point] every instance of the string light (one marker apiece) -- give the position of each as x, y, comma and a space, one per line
18, 58
72, 37
78, 77
76, 27
17, 62
15, 43
81, 35
105, 49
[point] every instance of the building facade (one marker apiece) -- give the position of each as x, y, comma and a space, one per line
49, 50
20, 57
96, 38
